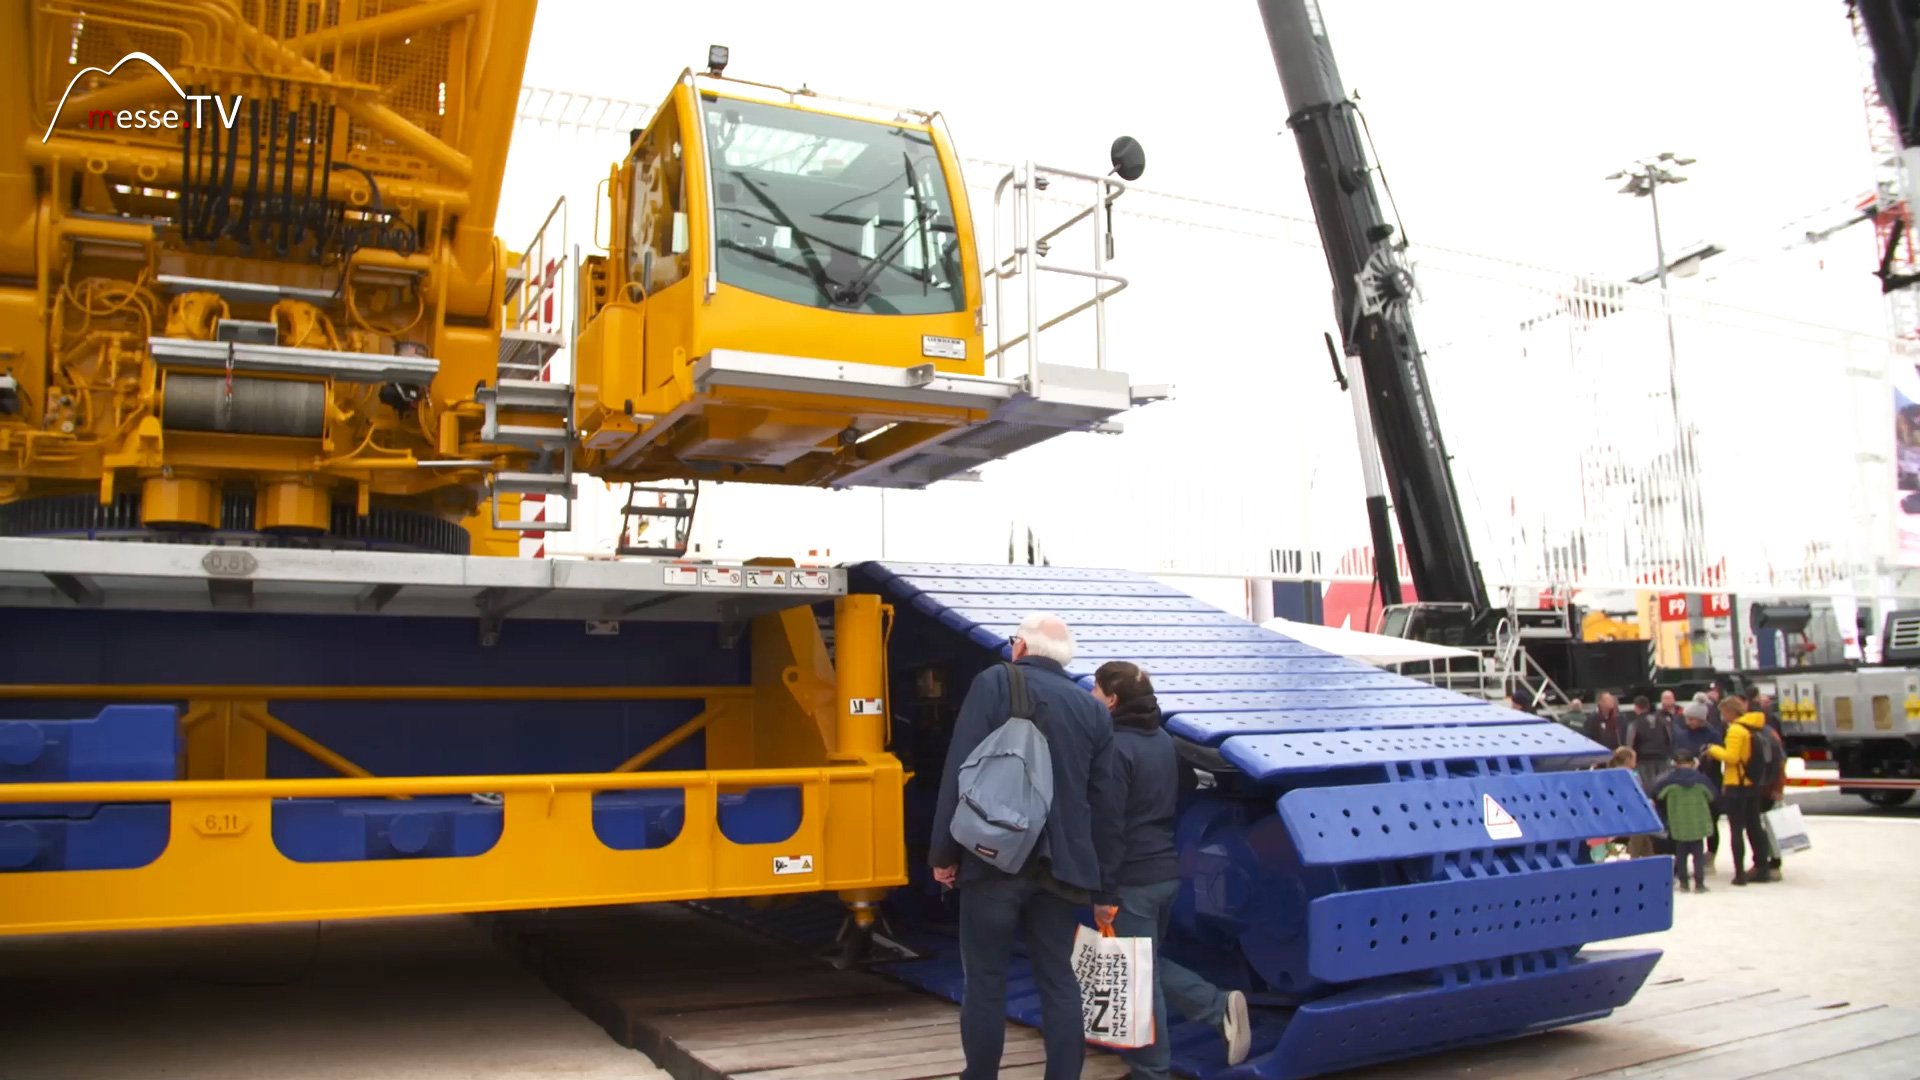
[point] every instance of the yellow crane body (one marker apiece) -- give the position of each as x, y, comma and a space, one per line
255, 320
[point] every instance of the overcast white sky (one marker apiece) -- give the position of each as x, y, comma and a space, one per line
1496, 119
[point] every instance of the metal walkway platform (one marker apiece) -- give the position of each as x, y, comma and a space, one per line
1388, 869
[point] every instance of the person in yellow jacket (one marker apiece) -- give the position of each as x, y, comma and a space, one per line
1745, 802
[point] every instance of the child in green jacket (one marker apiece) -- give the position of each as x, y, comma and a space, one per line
1688, 797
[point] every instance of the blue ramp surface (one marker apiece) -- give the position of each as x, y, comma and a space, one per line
1370, 849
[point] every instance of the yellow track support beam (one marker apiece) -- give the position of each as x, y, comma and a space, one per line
220, 744
668, 741
860, 690
221, 866
273, 725
162, 692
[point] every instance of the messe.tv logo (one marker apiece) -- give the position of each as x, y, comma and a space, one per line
165, 119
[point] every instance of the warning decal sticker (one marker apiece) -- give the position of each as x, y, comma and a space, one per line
793, 864
1500, 824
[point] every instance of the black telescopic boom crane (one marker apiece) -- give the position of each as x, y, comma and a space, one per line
1371, 287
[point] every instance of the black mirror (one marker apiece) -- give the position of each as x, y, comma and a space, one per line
1129, 158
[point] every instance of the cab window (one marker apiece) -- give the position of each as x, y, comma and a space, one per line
657, 239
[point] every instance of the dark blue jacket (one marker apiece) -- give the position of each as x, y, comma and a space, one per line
1694, 741
1679, 777
1149, 772
1083, 832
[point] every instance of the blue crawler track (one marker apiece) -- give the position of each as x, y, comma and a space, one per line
1344, 871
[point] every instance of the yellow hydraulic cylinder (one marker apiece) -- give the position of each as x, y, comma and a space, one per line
859, 678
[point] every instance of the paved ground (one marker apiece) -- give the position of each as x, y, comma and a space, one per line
429, 999
1832, 802
1839, 925
409, 999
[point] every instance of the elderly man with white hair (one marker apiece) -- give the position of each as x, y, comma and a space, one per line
1075, 863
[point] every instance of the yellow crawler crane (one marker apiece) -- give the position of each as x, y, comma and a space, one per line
249, 283
250, 276
250, 294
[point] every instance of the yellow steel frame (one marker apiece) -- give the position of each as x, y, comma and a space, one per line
221, 865
800, 723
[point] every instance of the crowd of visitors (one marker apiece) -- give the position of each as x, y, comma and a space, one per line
1719, 756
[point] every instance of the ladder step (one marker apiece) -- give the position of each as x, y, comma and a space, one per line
532, 395
658, 511
659, 552
527, 435
523, 348
533, 483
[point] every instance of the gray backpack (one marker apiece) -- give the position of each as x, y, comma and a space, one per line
1006, 786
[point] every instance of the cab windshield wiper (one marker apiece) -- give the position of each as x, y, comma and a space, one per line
854, 293
815, 271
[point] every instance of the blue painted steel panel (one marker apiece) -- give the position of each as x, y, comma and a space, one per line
1228, 699
82, 645
116, 836
352, 830
1080, 618
123, 742
1373, 932
1163, 667
441, 737
636, 820
484, 738
915, 571
1152, 649
1081, 601
1414, 818
1273, 757
1383, 1022
765, 815
1214, 728
1167, 685
1243, 634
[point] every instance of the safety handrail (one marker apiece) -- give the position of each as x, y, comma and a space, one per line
544, 280
384, 786
1024, 256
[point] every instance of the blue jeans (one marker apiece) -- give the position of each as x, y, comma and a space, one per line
1144, 912
990, 912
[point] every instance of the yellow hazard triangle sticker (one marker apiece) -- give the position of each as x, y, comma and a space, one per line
1500, 824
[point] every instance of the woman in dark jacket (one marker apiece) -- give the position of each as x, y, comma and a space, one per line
1149, 776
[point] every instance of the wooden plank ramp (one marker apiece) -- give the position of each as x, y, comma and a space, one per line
1708, 1029
709, 1000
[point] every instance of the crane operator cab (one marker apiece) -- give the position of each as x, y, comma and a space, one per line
790, 292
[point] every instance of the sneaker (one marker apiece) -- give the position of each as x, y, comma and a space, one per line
1236, 1028
1702, 887
1681, 886
1739, 879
